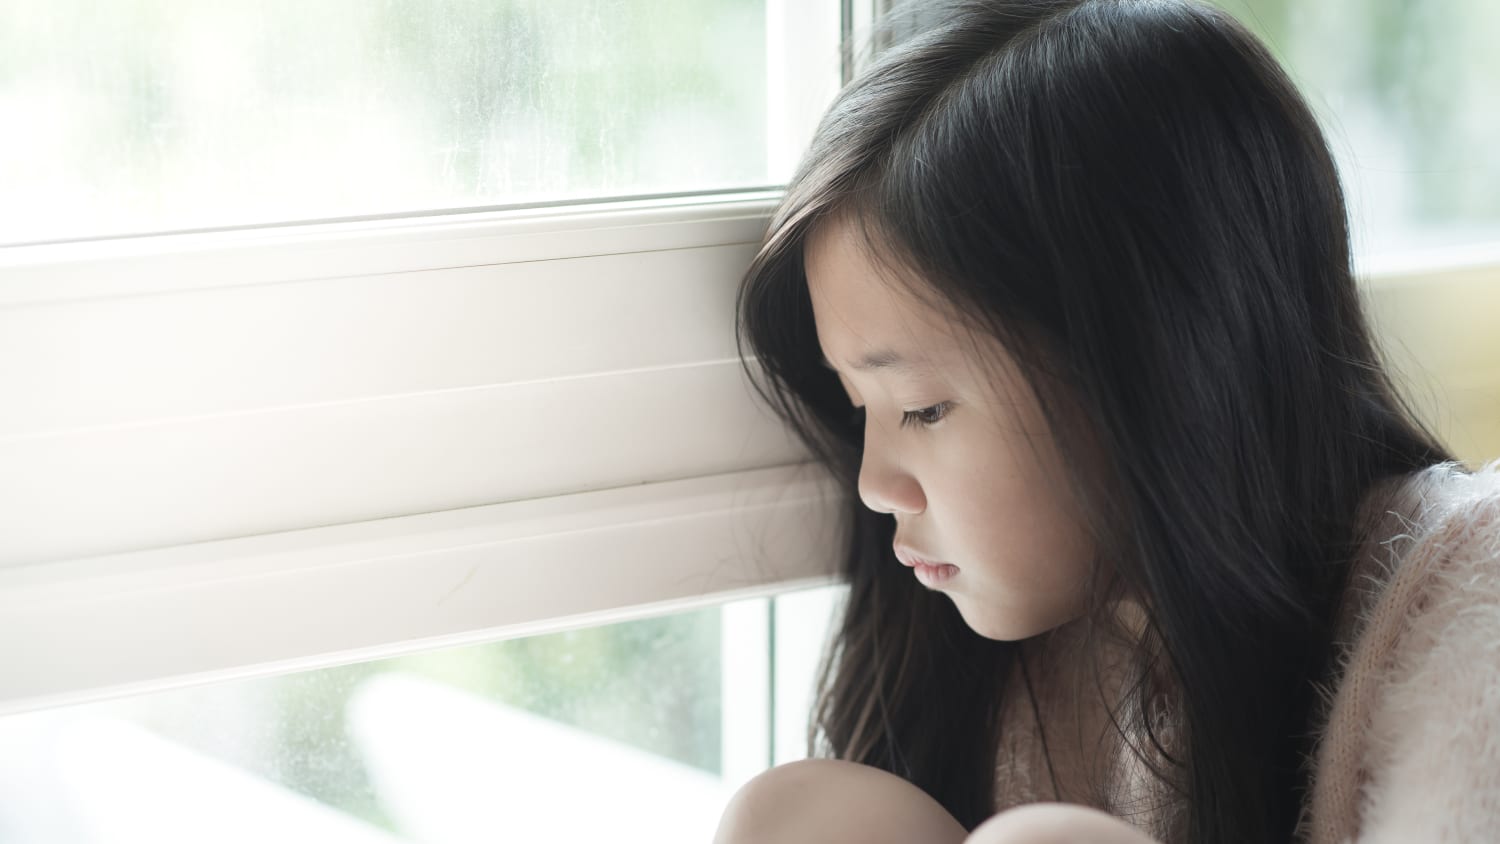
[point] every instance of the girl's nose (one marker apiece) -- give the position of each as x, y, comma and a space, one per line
887, 488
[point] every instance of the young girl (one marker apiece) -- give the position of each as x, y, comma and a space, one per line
1141, 534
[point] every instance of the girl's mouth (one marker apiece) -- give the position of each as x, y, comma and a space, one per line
931, 575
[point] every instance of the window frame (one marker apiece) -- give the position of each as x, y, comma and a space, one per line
216, 607
120, 610
720, 525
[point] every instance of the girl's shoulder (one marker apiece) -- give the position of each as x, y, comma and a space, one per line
1410, 738
1428, 534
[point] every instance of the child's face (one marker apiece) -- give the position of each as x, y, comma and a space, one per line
967, 491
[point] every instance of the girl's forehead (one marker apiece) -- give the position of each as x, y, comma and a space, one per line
868, 317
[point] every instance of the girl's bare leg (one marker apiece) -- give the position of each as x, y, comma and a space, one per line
1056, 823
834, 802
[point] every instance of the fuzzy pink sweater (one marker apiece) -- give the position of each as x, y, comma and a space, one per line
1409, 736
1410, 745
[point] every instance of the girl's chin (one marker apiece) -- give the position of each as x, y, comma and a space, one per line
1002, 627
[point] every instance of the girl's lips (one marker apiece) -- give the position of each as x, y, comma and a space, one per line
934, 575
930, 572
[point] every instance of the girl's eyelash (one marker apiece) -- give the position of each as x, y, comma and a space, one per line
926, 417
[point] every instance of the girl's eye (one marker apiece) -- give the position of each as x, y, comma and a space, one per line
927, 416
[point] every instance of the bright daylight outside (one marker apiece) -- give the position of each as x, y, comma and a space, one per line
1401, 90
157, 115
144, 116
638, 731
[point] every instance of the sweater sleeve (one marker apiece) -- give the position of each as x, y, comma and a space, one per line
1430, 762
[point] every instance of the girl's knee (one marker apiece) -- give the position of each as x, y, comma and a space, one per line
829, 800
758, 811
1056, 823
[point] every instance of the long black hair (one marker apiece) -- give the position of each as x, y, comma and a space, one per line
1133, 198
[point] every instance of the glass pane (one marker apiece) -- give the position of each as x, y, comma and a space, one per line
1406, 93
610, 733
151, 115
803, 624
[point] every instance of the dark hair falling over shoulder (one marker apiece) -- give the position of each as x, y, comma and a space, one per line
1134, 199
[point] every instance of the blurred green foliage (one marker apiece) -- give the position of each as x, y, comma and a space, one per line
1410, 82
162, 114
654, 684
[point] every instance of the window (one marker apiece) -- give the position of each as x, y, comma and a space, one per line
251, 449
1403, 92
152, 115
638, 731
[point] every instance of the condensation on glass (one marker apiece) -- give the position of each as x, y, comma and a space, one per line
617, 733
152, 115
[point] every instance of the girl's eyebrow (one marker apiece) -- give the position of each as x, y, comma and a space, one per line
883, 359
